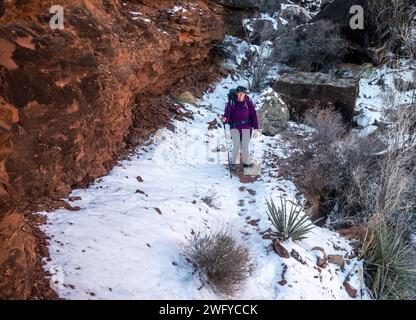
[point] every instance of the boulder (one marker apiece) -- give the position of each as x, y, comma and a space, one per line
187, 97
235, 11
338, 12
273, 113
260, 30
311, 46
270, 6
294, 13
280, 249
352, 292
304, 90
337, 259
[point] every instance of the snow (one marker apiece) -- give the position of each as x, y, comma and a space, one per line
124, 244
177, 9
267, 95
283, 21
295, 10
144, 19
247, 23
312, 7
377, 92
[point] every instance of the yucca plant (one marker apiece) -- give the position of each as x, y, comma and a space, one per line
291, 223
389, 263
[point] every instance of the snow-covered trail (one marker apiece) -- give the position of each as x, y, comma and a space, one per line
126, 241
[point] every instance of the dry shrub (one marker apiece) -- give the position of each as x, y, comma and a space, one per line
222, 262
391, 24
258, 60
389, 251
311, 47
210, 198
370, 180
387, 185
355, 177
317, 166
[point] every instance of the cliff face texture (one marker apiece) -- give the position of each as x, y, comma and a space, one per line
71, 98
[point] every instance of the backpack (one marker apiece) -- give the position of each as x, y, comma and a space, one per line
231, 98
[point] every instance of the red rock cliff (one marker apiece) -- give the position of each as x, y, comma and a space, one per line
68, 98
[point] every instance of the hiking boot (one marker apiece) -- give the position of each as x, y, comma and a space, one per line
251, 165
233, 167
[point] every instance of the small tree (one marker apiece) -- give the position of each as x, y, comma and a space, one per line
258, 60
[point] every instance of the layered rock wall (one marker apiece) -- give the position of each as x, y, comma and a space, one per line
69, 97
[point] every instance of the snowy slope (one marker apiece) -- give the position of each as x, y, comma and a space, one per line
378, 92
126, 241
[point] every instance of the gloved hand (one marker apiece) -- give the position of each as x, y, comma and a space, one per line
256, 133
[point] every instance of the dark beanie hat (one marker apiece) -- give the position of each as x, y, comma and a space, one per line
241, 89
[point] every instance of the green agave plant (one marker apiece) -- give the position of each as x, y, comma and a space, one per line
389, 264
290, 223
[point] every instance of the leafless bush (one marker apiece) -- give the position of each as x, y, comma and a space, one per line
327, 124
380, 175
258, 60
223, 263
395, 195
319, 171
356, 177
210, 198
392, 23
388, 194
373, 180
311, 47
261, 64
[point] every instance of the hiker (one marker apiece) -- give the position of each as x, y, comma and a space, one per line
241, 115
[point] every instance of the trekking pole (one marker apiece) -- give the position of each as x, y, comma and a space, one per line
228, 154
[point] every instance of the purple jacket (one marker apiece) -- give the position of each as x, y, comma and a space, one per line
239, 112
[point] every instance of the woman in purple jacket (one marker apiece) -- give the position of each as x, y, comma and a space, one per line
241, 115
